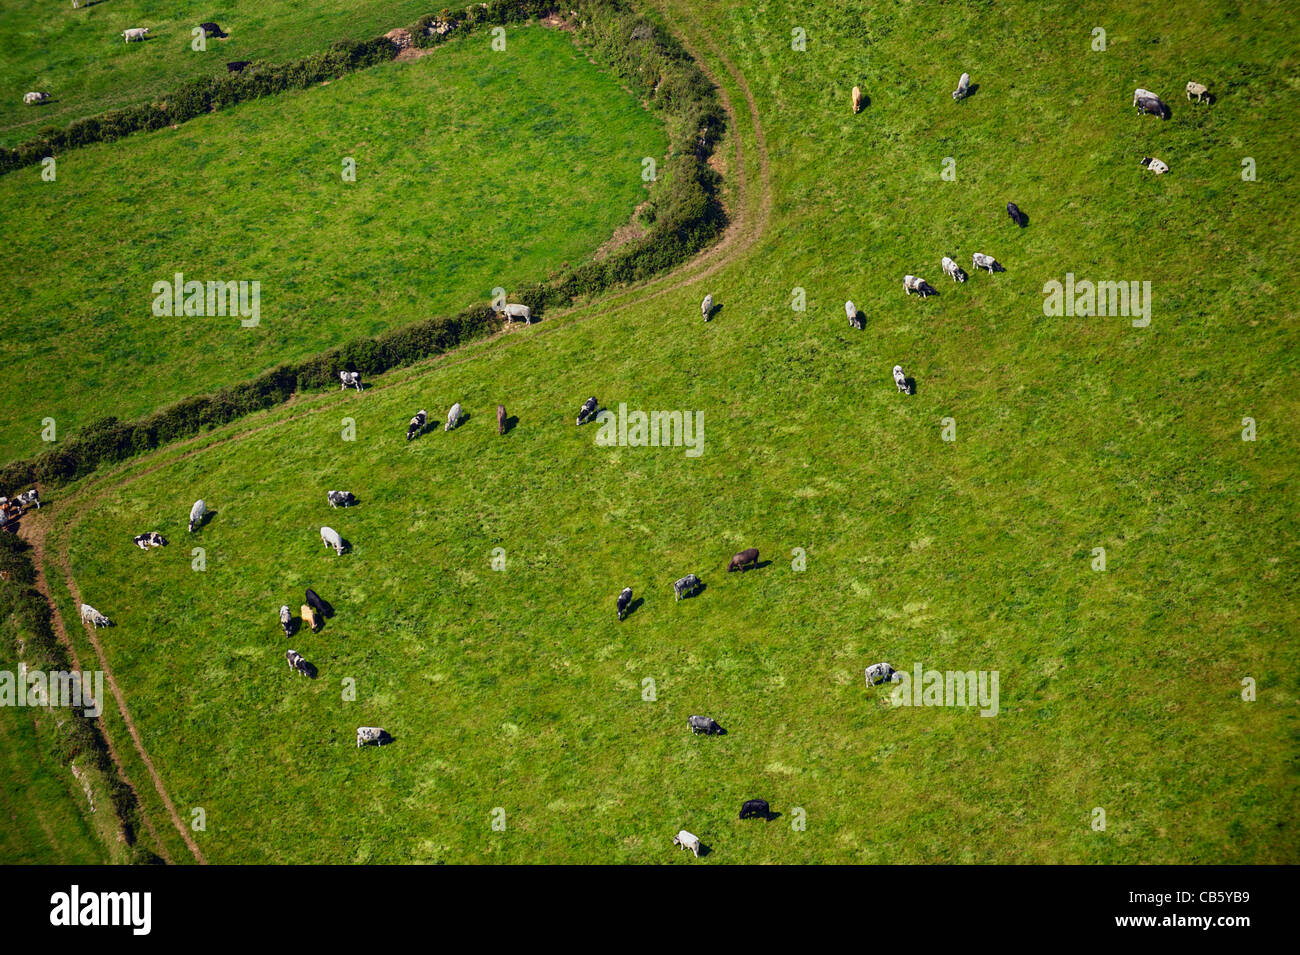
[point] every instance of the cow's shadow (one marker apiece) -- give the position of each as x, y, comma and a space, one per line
715, 311
971, 90
910, 384
633, 607
511, 421
326, 608
695, 593
309, 670
1023, 221
864, 102
206, 519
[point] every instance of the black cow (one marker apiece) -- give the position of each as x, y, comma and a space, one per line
746, 558
211, 29
314, 601
704, 724
624, 601
588, 411
237, 66
755, 807
1017, 216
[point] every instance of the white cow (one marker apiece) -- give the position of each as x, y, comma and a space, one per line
1155, 165
1199, 90
706, 307
688, 840
286, 619
900, 379
196, 514
90, 615
135, 33
332, 539
514, 310
953, 269
453, 417
371, 734
851, 311
35, 97
963, 87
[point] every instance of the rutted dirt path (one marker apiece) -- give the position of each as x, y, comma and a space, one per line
33, 532
744, 229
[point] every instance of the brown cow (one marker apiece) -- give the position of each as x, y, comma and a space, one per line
501, 419
309, 617
745, 557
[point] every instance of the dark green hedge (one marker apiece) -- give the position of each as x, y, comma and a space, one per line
687, 215
26, 613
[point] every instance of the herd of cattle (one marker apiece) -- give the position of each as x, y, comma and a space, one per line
315, 610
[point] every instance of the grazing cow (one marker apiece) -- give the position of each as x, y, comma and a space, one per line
350, 379
296, 662
588, 411
1018, 217
746, 558
514, 310
313, 598
34, 97
1147, 102
687, 586
687, 840
1199, 90
340, 498
963, 87
706, 307
309, 617
332, 539
286, 620
755, 807
90, 615
211, 29
453, 417
624, 601
851, 311
197, 513
881, 673
28, 498
237, 66
920, 286
986, 262
900, 379
372, 734
501, 419
704, 724
136, 33
857, 101
953, 269
417, 424
1155, 165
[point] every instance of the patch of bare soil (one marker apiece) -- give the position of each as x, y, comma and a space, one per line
557, 22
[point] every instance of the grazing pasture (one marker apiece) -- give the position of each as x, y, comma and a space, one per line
515, 695
81, 58
473, 170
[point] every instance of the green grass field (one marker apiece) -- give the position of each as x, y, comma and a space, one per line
470, 174
517, 691
81, 59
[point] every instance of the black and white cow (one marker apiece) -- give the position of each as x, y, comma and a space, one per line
350, 379
150, 539
954, 270
900, 379
588, 411
986, 262
855, 319
755, 808
296, 662
1018, 217
1146, 101
918, 285
340, 498
90, 615
416, 426
880, 673
286, 620
624, 601
686, 586
372, 734
704, 724
28, 498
